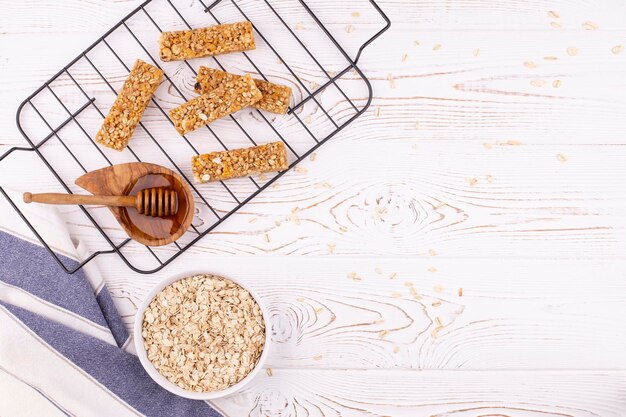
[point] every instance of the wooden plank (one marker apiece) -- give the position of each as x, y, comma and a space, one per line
457, 14
356, 313
506, 201
415, 393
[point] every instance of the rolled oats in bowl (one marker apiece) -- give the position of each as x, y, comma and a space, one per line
203, 333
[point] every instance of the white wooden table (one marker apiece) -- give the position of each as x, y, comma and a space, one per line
488, 177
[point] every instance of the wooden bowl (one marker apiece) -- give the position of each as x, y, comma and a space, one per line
128, 179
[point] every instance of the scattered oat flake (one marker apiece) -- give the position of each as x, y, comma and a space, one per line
331, 248
353, 276
432, 269
269, 371
438, 321
349, 29
437, 47
413, 290
588, 25
277, 223
313, 157
561, 157
396, 349
476, 52
295, 209
471, 181
537, 83
489, 178
434, 333
487, 145
553, 14
319, 310
550, 58
405, 57
460, 292
556, 25
252, 220
511, 143
417, 125
396, 295
313, 85
343, 229
530, 64
301, 170
300, 26
416, 43
308, 120
436, 303
432, 252
392, 82
393, 275
377, 112
378, 270
317, 357
267, 238
383, 333
556, 83
438, 288
356, 14
327, 185
415, 294
408, 284
617, 49
300, 299
572, 51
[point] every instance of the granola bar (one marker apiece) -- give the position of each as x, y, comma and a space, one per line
129, 106
209, 41
230, 97
235, 163
275, 96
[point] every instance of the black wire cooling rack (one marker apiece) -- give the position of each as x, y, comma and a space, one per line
293, 47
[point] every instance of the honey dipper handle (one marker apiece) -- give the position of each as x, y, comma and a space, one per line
54, 198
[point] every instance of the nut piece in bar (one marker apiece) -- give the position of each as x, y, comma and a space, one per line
275, 96
209, 41
132, 100
236, 163
228, 98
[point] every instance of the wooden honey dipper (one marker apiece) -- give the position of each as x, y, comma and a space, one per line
154, 202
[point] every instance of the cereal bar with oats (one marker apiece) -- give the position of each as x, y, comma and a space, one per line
236, 163
209, 41
230, 97
131, 102
275, 96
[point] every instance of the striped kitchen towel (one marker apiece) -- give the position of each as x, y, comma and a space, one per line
62, 344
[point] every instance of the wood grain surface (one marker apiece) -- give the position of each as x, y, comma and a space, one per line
457, 250
415, 393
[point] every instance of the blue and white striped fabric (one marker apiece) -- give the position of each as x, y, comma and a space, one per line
62, 345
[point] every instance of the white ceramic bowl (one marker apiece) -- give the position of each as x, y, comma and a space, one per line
164, 382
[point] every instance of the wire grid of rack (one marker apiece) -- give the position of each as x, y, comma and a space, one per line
84, 99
